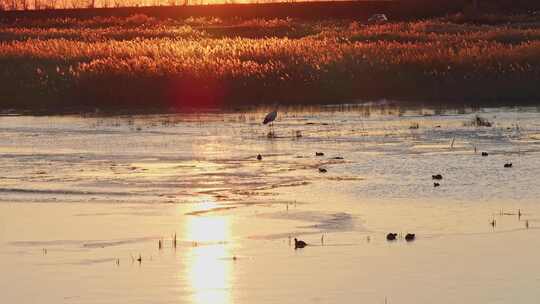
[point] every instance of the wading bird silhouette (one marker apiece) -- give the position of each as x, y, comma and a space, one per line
269, 120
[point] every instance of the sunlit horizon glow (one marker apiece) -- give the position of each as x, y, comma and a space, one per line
68, 4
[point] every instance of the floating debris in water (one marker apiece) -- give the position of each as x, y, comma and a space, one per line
479, 121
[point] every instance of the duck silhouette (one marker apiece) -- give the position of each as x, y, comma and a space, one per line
410, 237
391, 236
299, 243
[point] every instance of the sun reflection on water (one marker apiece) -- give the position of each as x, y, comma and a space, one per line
209, 266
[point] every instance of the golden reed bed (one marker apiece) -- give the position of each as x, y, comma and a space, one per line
140, 61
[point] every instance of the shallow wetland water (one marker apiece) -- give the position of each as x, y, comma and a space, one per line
82, 198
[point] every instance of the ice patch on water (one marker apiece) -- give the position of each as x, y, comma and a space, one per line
313, 222
82, 243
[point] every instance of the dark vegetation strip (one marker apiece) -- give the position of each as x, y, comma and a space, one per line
305, 10
312, 10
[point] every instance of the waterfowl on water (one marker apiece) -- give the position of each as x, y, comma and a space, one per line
508, 165
319, 154
391, 236
259, 157
410, 237
322, 170
485, 154
299, 243
437, 177
436, 185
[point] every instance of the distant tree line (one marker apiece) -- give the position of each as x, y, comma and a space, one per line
69, 4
